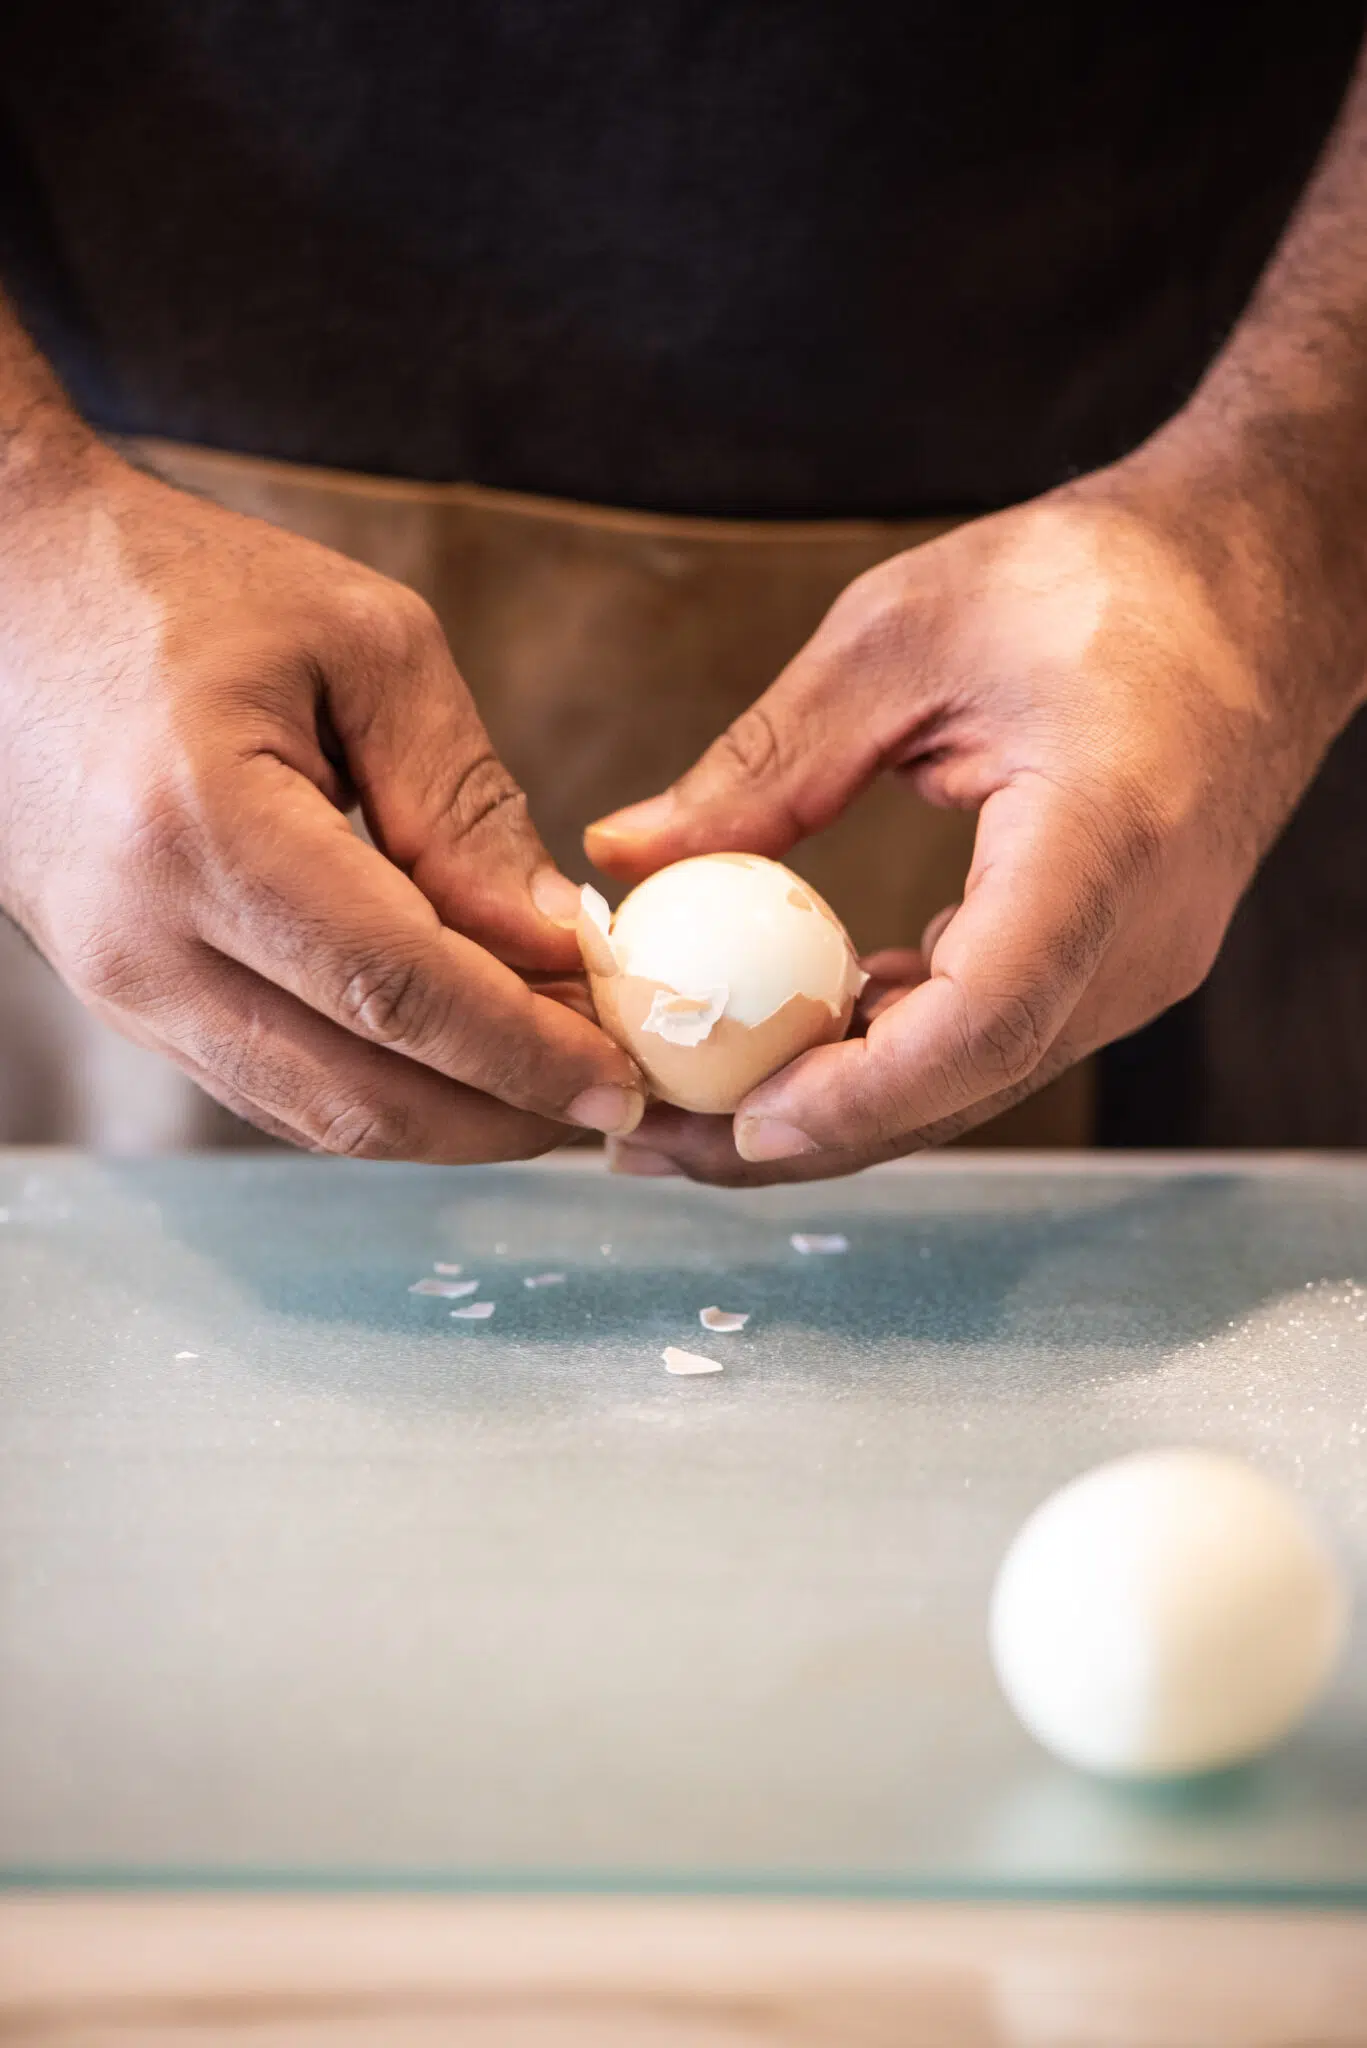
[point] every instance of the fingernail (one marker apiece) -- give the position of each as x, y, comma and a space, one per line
638, 1162
637, 818
606, 1108
759, 1138
556, 897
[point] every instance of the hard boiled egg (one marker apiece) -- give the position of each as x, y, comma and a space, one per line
715, 973
1168, 1613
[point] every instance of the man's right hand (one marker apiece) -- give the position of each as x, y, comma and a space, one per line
189, 700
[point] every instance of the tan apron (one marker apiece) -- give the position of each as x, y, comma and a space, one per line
605, 650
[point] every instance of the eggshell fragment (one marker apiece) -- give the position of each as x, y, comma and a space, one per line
687, 1364
474, 1312
594, 934
715, 973
820, 1242
723, 1320
684, 1020
450, 1290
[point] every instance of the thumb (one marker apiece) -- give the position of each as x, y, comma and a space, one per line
1008, 969
441, 805
787, 767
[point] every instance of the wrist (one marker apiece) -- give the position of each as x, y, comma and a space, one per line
47, 456
1271, 513
56, 479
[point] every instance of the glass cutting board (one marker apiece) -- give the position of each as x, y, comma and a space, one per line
303, 1579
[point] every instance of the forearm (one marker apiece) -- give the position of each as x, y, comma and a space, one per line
1271, 450
1298, 358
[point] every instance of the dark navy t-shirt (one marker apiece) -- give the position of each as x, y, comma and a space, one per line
784, 257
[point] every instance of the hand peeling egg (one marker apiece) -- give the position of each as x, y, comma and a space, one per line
715, 973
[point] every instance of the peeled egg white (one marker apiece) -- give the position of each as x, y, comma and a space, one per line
1166, 1614
715, 973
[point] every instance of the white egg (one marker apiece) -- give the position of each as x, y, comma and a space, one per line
716, 972
1169, 1613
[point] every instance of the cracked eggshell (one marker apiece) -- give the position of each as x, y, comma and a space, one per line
715, 973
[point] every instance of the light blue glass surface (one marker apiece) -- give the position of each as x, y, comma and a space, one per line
357, 1592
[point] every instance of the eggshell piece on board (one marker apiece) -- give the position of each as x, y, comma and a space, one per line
688, 1364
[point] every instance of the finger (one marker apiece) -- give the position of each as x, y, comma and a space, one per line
935, 930
879, 997
789, 764
304, 903
1129, 991
895, 964
892, 975
675, 1143
237, 1105
570, 989
141, 1032
1010, 966
436, 797
270, 1059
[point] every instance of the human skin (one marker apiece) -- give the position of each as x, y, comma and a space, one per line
1132, 680
189, 702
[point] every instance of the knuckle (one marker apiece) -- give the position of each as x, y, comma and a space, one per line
364, 1130
246, 1059
106, 969
389, 1002
751, 750
864, 599
483, 792
871, 619
415, 625
157, 839
396, 1003
247, 1110
1003, 1041
386, 624
1193, 956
